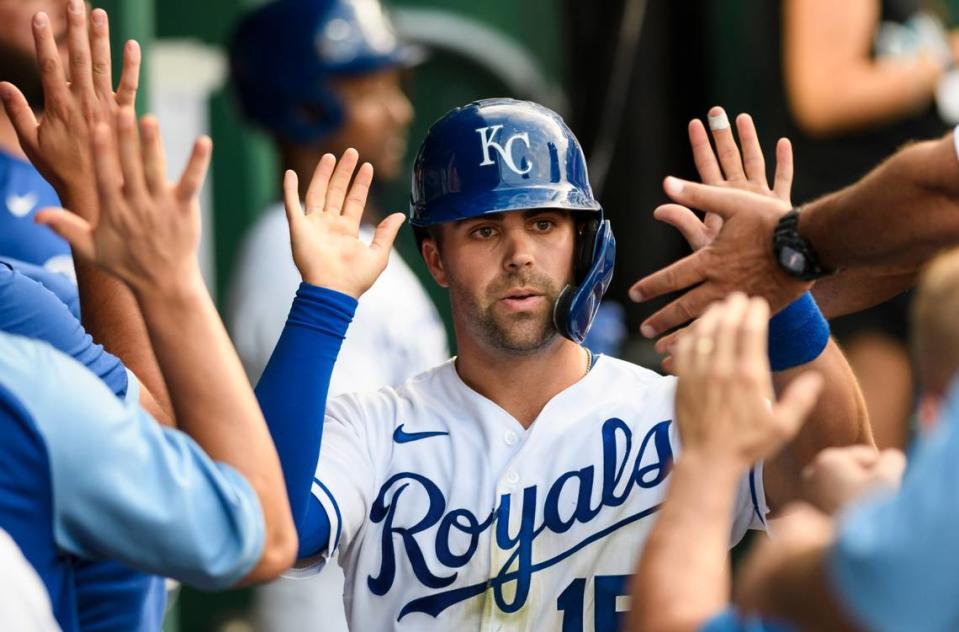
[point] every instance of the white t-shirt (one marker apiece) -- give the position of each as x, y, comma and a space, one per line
396, 333
447, 514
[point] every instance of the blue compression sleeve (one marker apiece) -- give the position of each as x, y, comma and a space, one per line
293, 390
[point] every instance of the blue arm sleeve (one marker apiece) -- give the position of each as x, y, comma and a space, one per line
29, 309
730, 621
292, 393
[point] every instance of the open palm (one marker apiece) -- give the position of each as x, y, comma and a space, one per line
325, 239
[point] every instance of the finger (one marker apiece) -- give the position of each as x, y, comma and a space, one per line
78, 43
703, 155
356, 198
154, 160
336, 192
709, 330
291, 197
670, 366
753, 161
191, 180
797, 402
726, 149
728, 331
713, 223
55, 93
21, 116
686, 222
386, 232
76, 230
128, 150
891, 463
783, 180
100, 53
130, 75
684, 309
667, 344
682, 355
754, 336
674, 277
722, 201
106, 169
316, 193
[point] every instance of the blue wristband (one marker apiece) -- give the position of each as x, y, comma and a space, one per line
797, 334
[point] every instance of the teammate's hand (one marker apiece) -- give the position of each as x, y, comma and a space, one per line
59, 145
840, 475
725, 406
740, 258
744, 171
327, 249
149, 229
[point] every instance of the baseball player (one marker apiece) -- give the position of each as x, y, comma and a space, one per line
512, 486
320, 76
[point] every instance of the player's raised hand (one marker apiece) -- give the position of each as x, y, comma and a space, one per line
149, 229
325, 238
59, 144
724, 397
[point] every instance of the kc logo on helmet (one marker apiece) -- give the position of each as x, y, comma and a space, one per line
488, 139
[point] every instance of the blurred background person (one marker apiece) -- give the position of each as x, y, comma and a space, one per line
321, 76
860, 80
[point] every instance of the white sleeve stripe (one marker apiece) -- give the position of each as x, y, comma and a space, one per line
332, 509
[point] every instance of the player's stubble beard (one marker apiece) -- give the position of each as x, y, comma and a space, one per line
515, 333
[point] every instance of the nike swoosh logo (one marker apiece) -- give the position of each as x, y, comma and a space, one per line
21, 205
401, 436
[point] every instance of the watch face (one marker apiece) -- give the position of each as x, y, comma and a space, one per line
792, 260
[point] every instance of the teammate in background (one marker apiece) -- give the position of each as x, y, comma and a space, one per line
23, 191
510, 486
320, 76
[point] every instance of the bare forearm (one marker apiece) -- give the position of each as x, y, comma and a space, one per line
839, 418
858, 289
798, 591
110, 314
682, 579
897, 217
212, 398
862, 95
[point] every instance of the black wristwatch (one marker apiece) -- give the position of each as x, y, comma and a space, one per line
793, 253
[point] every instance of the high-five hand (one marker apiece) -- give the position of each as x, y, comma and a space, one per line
59, 144
724, 395
149, 228
327, 249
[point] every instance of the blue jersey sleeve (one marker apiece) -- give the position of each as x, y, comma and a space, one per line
29, 309
63, 287
895, 564
162, 505
292, 393
23, 192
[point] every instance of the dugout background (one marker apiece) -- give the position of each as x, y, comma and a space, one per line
689, 55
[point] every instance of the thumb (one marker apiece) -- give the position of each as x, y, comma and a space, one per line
797, 402
386, 234
73, 228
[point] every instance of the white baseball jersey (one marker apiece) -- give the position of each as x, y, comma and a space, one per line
396, 333
447, 514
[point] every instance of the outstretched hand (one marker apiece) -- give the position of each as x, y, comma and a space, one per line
59, 144
725, 406
728, 168
733, 246
149, 229
325, 238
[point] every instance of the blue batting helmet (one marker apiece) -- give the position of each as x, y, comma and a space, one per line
284, 54
499, 155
